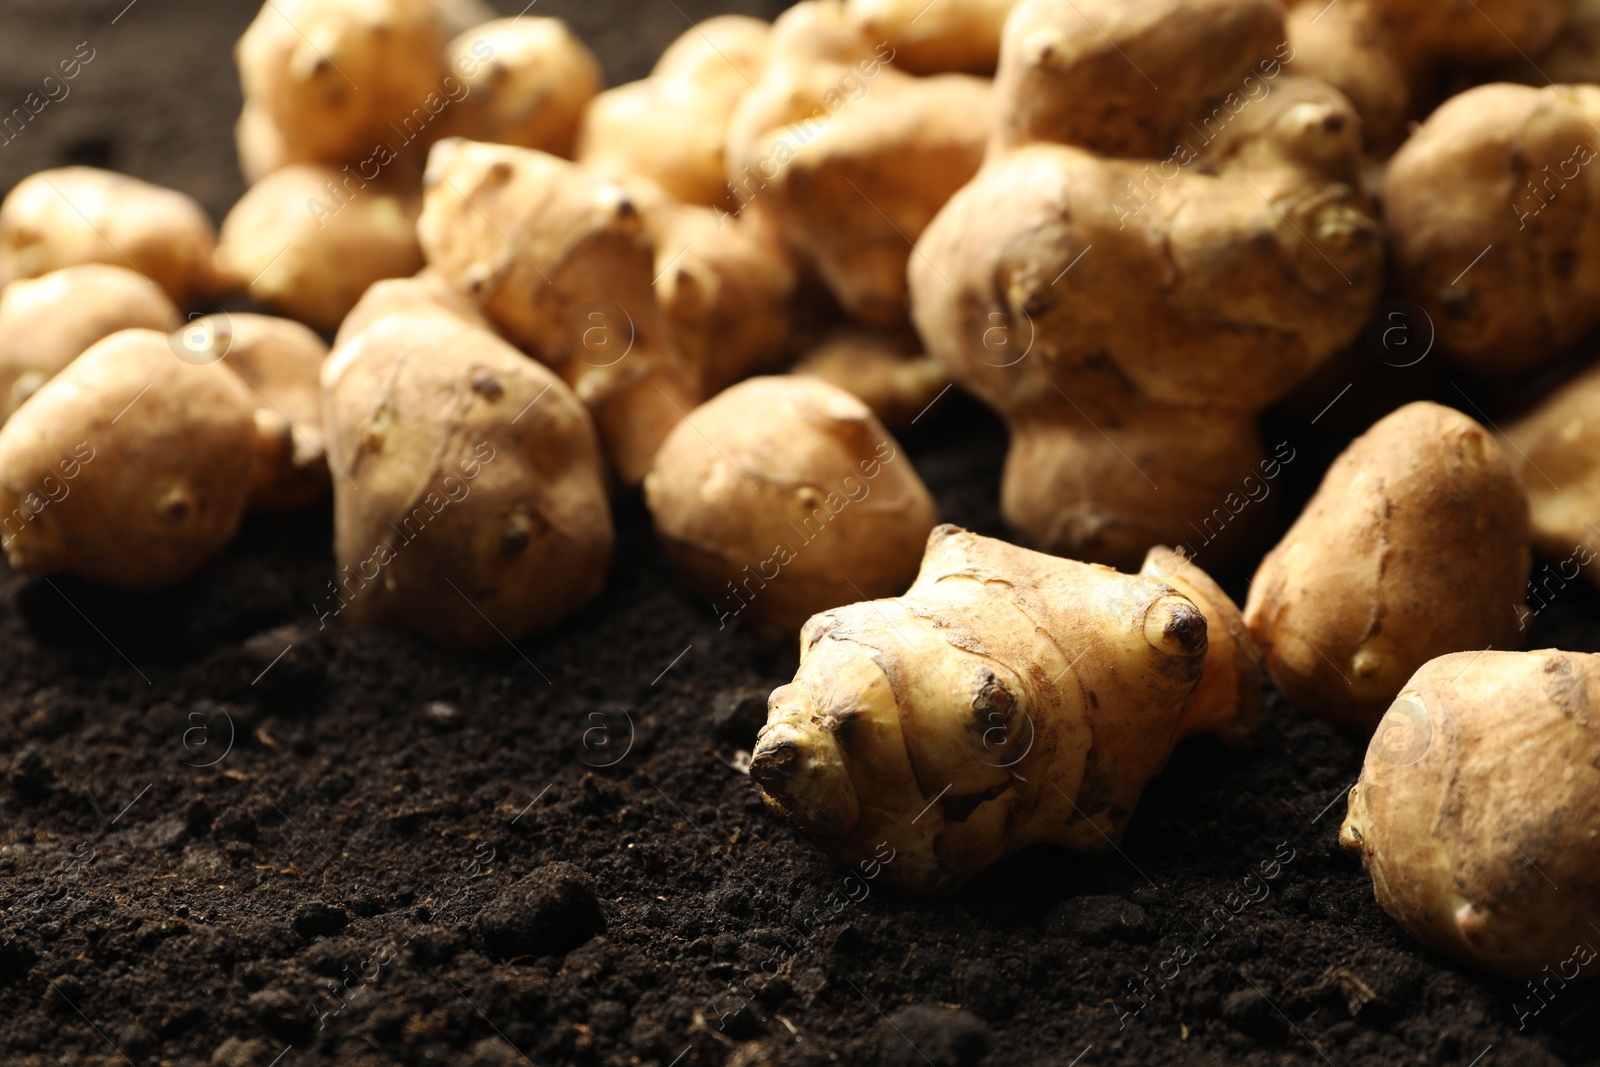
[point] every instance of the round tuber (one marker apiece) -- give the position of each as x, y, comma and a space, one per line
527, 81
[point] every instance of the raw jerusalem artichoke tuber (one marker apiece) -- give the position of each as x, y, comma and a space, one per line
1557, 454
936, 38
1009, 698
425, 293
1478, 808
528, 81
885, 368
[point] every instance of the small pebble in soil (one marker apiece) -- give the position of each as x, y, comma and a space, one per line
1100, 920
548, 913
441, 716
925, 1034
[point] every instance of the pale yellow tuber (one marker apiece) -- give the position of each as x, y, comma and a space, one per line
1556, 449
76, 215
425, 293
784, 496
887, 369
1009, 698
1414, 546
1478, 810
475, 508
47, 322
131, 467
936, 37
527, 82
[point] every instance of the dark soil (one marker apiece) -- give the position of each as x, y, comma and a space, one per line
233, 836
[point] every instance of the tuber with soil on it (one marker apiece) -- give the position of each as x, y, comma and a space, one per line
475, 510
1415, 545
131, 467
1478, 808
785, 496
77, 215
1008, 698
48, 321
1131, 285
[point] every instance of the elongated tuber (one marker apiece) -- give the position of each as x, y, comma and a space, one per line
784, 496
1415, 545
131, 467
475, 509
1478, 809
1009, 698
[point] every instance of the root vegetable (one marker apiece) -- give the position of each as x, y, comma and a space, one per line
1479, 805
782, 497
953, 35
476, 508
1556, 446
1129, 307
130, 467
425, 293
77, 215
309, 240
886, 369
1414, 546
847, 158
47, 322
672, 126
1009, 698
562, 262
1573, 58
528, 81
281, 362
1493, 225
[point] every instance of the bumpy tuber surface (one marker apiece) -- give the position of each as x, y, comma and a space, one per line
475, 510
1414, 546
527, 82
952, 35
130, 467
1557, 453
75, 215
1494, 224
887, 369
1387, 55
281, 362
425, 293
1009, 698
308, 240
47, 322
672, 126
847, 158
784, 496
1478, 810
562, 261
1131, 284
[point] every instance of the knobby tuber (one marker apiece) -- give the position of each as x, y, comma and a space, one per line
1415, 545
425, 293
1009, 698
527, 82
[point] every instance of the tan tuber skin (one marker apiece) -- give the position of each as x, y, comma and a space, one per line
131, 467
1128, 306
1492, 215
1556, 449
1414, 546
281, 362
475, 512
1573, 57
672, 126
1479, 806
951, 35
425, 293
885, 368
784, 496
528, 81
309, 240
47, 322
1009, 698
76, 215
1387, 55
847, 158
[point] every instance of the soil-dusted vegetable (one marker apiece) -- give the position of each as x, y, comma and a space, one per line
475, 511
47, 322
1491, 208
281, 362
1556, 449
1414, 546
563, 263
527, 81
1128, 306
672, 127
330, 80
1478, 810
1009, 698
131, 467
425, 293
309, 240
1387, 55
887, 369
936, 38
785, 496
848, 158
75, 215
